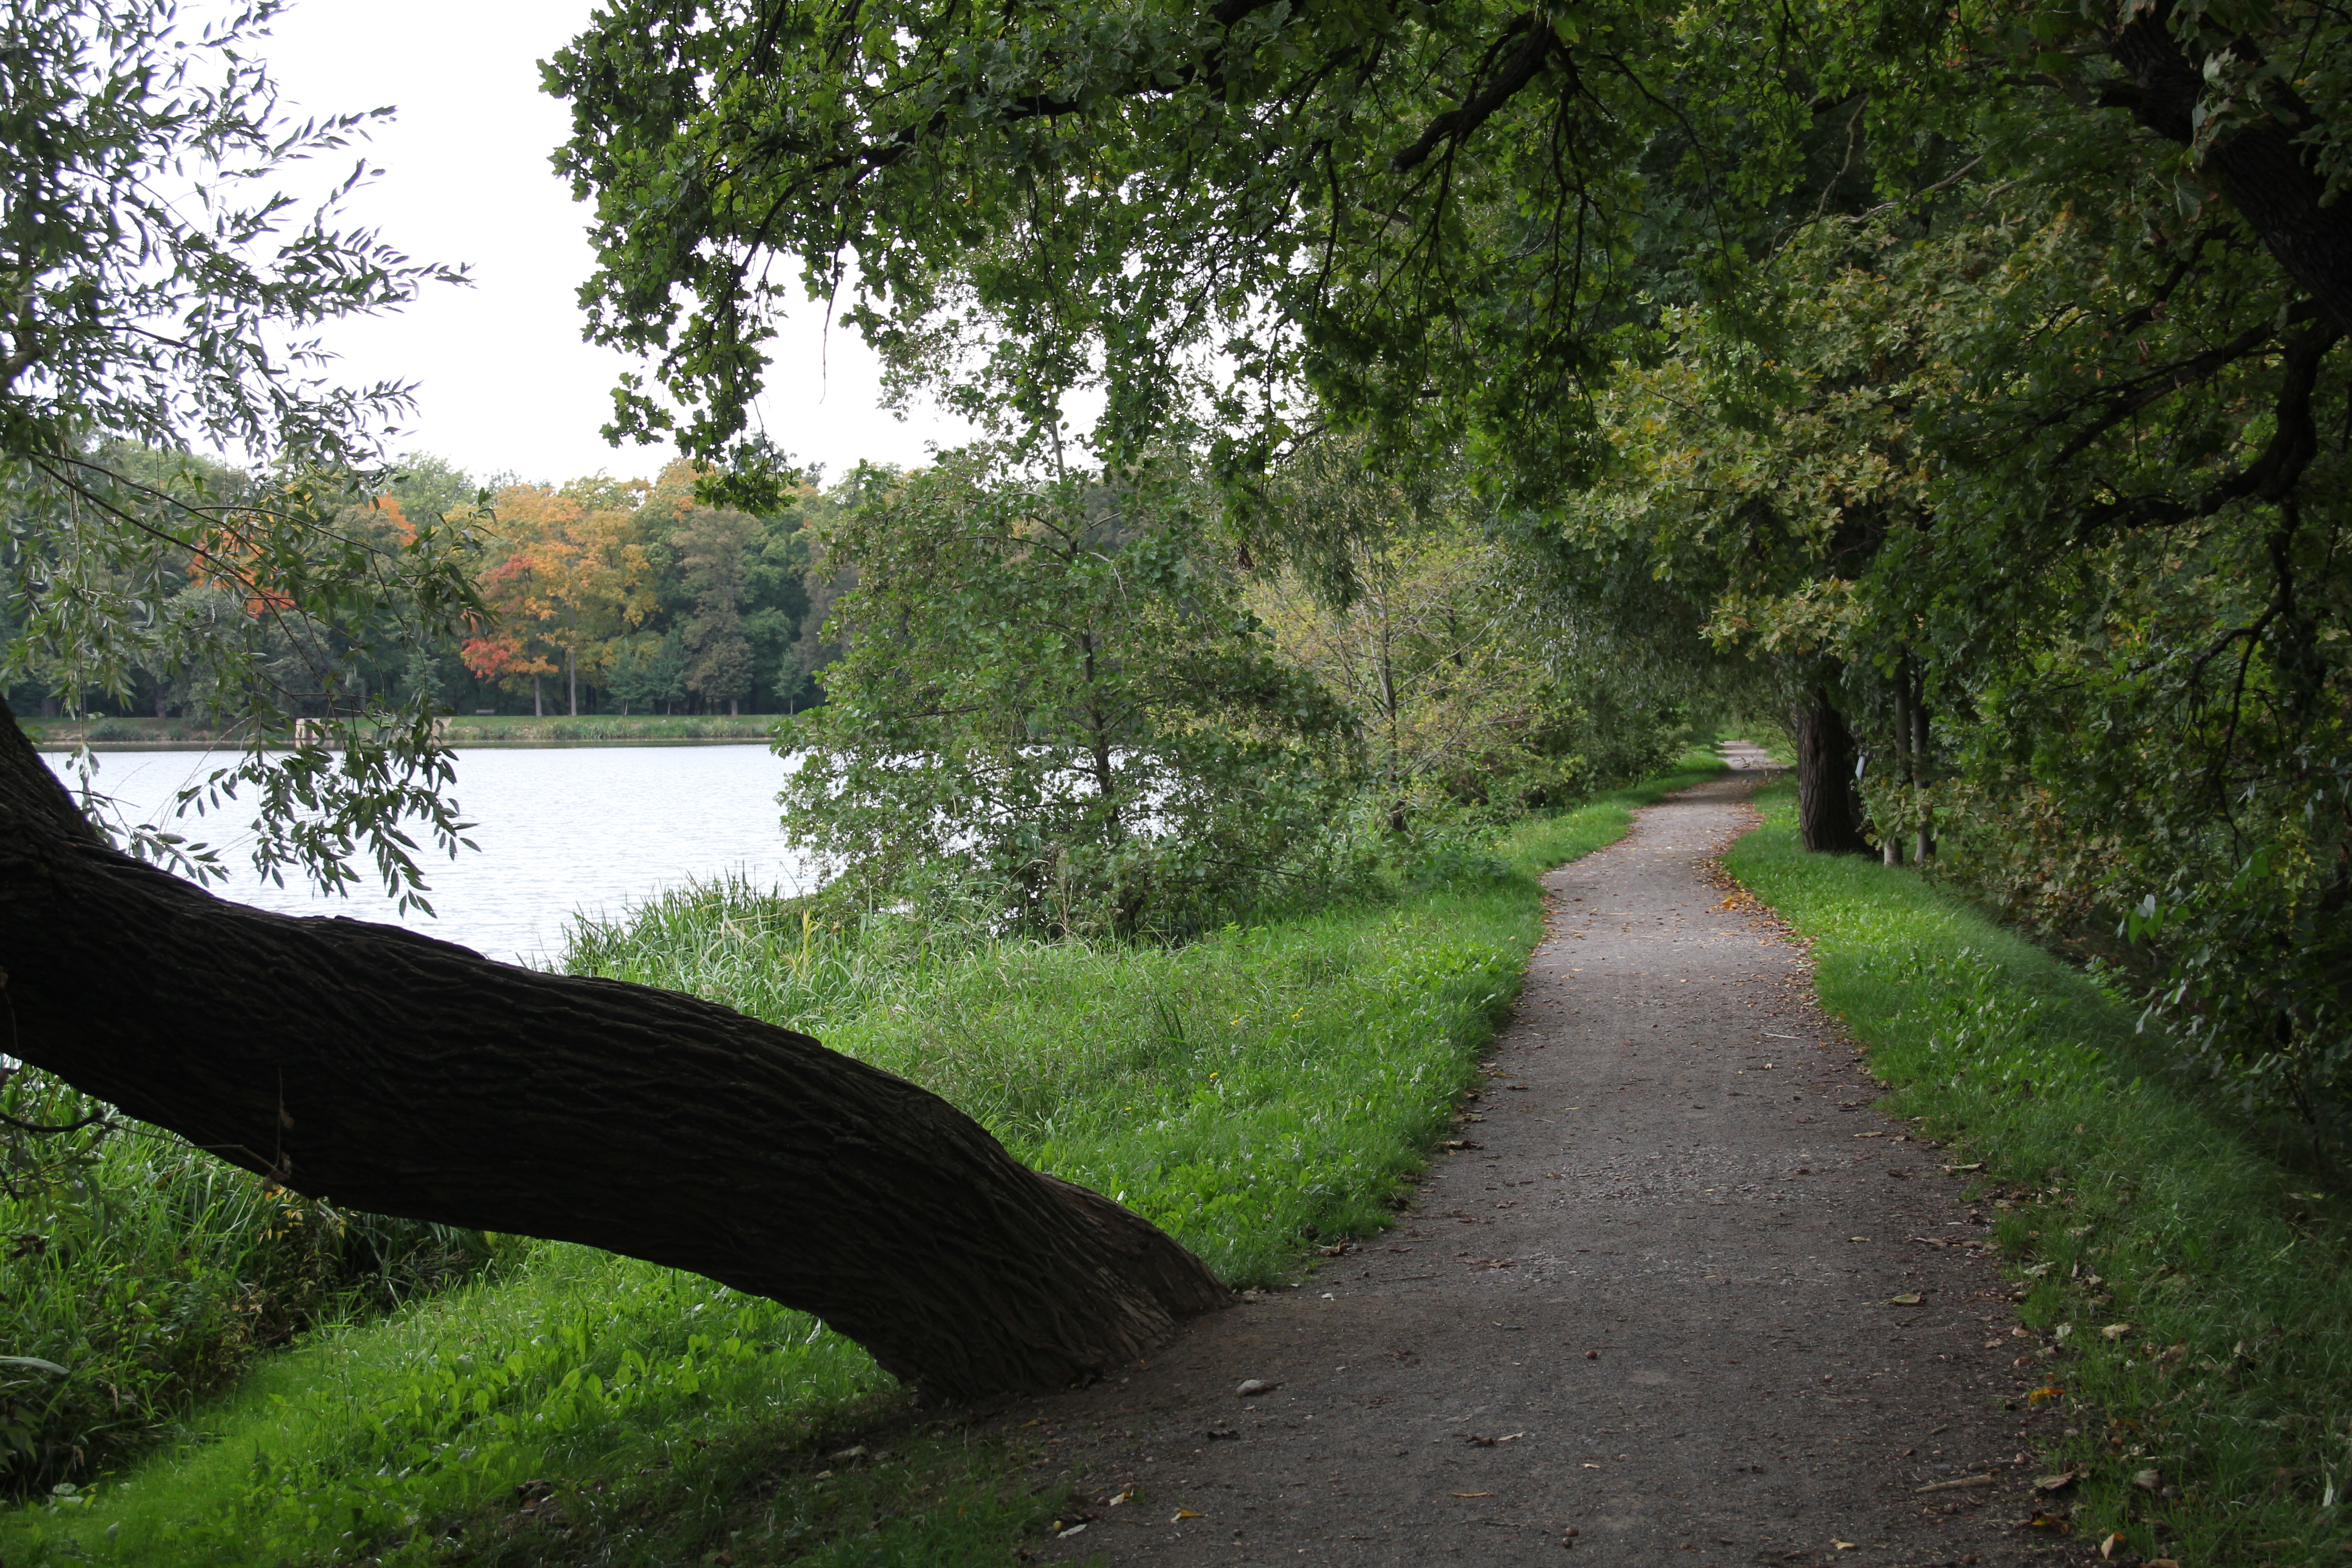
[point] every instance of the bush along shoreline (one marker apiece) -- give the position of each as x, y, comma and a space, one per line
1264, 1089
2185, 1289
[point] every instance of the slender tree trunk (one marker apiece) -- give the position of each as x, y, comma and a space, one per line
572, 677
731, 711
1924, 848
1825, 806
1890, 832
405, 1076
538, 707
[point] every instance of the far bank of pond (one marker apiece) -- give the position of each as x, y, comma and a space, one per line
469, 730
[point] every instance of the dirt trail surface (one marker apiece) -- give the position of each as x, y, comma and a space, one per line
1665, 1305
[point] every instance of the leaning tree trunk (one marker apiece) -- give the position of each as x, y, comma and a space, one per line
395, 1073
1826, 818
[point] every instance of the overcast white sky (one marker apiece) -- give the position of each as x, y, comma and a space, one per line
504, 382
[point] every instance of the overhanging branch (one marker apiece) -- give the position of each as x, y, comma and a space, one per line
1518, 65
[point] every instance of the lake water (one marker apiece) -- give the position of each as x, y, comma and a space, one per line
562, 829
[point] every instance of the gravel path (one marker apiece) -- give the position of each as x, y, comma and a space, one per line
1682, 1297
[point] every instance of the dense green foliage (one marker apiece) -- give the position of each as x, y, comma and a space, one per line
1468, 681
2186, 1291
1983, 361
1996, 455
1257, 1091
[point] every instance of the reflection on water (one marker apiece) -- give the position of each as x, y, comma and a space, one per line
562, 829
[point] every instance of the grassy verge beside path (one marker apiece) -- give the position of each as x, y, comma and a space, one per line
2188, 1297
1259, 1091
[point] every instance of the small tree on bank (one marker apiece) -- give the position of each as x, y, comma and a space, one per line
1048, 683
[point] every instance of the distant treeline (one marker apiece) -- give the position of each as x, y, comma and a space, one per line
605, 595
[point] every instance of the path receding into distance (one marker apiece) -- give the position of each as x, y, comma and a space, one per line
1659, 1308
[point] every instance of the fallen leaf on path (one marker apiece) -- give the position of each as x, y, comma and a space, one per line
1977, 1166
2059, 1482
1979, 1480
1908, 1299
1253, 1387
1217, 1432
1122, 1497
1870, 1135
2148, 1480
1065, 1535
1478, 1441
2041, 1520
1589, 1466
1510, 1436
2051, 1392
2115, 1331
1474, 1494
2109, 1547
1842, 1545
1183, 1513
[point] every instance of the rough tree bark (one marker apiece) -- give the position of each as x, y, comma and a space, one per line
1826, 819
395, 1073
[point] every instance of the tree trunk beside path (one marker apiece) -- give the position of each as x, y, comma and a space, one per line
395, 1073
1681, 1297
1826, 817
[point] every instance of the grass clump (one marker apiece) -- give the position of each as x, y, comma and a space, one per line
2193, 1310
139, 1273
1268, 1085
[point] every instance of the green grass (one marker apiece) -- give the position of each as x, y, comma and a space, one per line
2189, 1297
1262, 1089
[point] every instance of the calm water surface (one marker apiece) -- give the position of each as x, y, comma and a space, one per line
574, 829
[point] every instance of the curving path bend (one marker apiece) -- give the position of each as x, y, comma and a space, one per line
1656, 1312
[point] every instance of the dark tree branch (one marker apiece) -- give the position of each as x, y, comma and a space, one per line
2270, 477
1518, 67
2141, 391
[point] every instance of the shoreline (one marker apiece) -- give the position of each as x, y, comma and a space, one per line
462, 744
